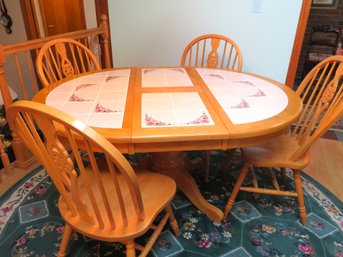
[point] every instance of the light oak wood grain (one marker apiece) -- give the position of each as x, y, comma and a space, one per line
103, 198
327, 164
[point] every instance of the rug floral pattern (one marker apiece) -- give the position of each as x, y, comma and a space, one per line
31, 226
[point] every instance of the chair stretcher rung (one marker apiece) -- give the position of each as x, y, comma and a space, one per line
268, 191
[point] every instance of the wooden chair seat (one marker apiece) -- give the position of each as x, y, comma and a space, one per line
149, 182
102, 198
276, 153
322, 94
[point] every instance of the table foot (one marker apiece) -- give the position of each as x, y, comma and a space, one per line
172, 164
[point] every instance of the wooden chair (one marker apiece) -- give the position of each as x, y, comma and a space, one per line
62, 58
105, 200
213, 51
322, 94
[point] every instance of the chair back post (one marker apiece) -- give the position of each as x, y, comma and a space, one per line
105, 58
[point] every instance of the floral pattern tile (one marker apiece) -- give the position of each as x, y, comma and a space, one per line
173, 109
244, 98
90, 97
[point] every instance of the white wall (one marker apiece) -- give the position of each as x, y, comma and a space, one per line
155, 32
18, 27
18, 35
90, 14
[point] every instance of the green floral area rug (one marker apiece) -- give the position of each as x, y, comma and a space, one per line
259, 225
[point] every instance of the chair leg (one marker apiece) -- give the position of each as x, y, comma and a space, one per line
65, 240
172, 220
236, 188
207, 165
299, 190
130, 248
229, 155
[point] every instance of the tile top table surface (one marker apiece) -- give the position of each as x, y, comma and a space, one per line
132, 106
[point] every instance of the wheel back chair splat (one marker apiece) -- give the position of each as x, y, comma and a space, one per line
322, 95
213, 51
105, 198
62, 58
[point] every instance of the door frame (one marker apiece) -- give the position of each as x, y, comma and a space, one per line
31, 21
44, 15
298, 42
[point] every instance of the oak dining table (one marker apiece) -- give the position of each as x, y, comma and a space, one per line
167, 111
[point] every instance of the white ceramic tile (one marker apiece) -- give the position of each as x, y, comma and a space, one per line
194, 118
247, 98
91, 79
120, 87
186, 104
165, 77
155, 84
225, 92
64, 88
156, 105
230, 102
174, 109
111, 95
218, 84
158, 119
115, 79
185, 95
57, 97
87, 87
81, 117
77, 107
106, 120
82, 96
252, 92
108, 107
57, 105
94, 98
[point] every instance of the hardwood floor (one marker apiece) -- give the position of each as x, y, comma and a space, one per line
326, 167
7, 182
